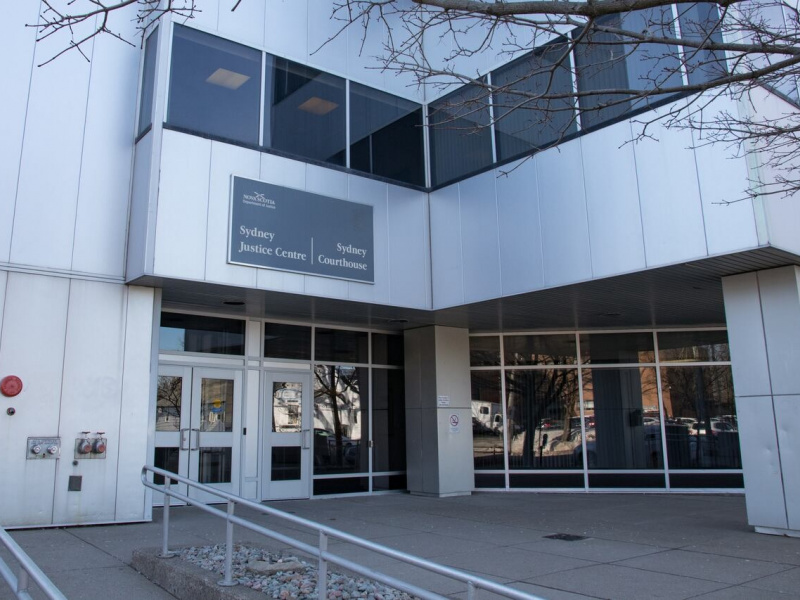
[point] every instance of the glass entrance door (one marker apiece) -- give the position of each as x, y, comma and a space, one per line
288, 438
197, 422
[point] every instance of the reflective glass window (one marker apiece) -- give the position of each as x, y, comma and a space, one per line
540, 350
167, 459
287, 407
388, 420
522, 121
193, 333
216, 405
543, 419
615, 348
702, 428
487, 420
623, 429
685, 346
305, 112
287, 341
341, 424
286, 463
215, 465
484, 351
387, 349
215, 86
460, 137
608, 61
148, 83
386, 135
169, 396
338, 345
699, 22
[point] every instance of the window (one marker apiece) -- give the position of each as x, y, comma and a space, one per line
386, 135
148, 83
305, 111
522, 122
215, 86
287, 341
460, 136
192, 333
698, 22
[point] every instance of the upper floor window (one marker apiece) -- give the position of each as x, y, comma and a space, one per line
194, 333
215, 86
148, 83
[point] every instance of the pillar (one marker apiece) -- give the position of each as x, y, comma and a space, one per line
438, 412
763, 314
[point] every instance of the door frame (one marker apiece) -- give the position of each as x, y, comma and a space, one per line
294, 489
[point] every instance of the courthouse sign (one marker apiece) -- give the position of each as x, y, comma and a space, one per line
291, 230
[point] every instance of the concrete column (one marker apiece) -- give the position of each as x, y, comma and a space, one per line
438, 412
763, 315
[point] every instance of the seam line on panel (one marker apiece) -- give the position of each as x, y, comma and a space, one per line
125, 306
208, 208
61, 394
638, 196
699, 192
586, 210
82, 154
22, 141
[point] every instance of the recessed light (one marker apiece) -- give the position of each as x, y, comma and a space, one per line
397, 321
227, 79
233, 302
318, 106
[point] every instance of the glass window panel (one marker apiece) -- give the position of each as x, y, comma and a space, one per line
386, 135
169, 394
699, 22
460, 137
702, 428
167, 459
348, 485
616, 348
621, 405
216, 405
388, 349
540, 350
192, 333
608, 61
215, 86
287, 407
487, 420
287, 341
685, 346
522, 122
305, 111
148, 83
389, 482
215, 465
388, 420
484, 351
341, 429
543, 419
338, 345
286, 463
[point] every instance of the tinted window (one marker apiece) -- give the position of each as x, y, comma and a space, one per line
215, 86
287, 341
192, 333
484, 351
523, 122
337, 345
699, 22
460, 138
305, 111
148, 83
540, 350
387, 349
386, 135
615, 348
693, 346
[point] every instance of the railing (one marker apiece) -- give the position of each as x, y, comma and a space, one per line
320, 552
27, 571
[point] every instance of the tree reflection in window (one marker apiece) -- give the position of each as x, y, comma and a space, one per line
340, 432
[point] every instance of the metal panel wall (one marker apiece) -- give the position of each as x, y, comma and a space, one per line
479, 237
612, 201
562, 206
375, 194
447, 266
409, 248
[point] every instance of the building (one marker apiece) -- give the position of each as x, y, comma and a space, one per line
235, 256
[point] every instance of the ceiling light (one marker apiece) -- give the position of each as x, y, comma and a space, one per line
227, 79
318, 106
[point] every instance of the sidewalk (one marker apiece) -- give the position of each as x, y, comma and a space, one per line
636, 546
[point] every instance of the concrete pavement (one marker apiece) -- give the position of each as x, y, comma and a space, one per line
632, 546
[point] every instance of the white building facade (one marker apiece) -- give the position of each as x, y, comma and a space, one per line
470, 314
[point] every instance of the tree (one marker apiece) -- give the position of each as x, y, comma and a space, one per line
624, 55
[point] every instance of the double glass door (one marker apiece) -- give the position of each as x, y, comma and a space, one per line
198, 417
288, 436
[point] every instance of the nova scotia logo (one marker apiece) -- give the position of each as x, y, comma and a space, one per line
258, 199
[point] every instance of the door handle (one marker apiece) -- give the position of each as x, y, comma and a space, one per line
196, 439
184, 439
306, 439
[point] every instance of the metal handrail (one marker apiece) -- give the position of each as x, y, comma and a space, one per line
27, 570
473, 582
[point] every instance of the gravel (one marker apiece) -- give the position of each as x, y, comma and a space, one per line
289, 584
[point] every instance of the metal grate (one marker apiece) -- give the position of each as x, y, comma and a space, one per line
565, 537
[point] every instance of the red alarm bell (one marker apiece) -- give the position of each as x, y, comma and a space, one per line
11, 385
